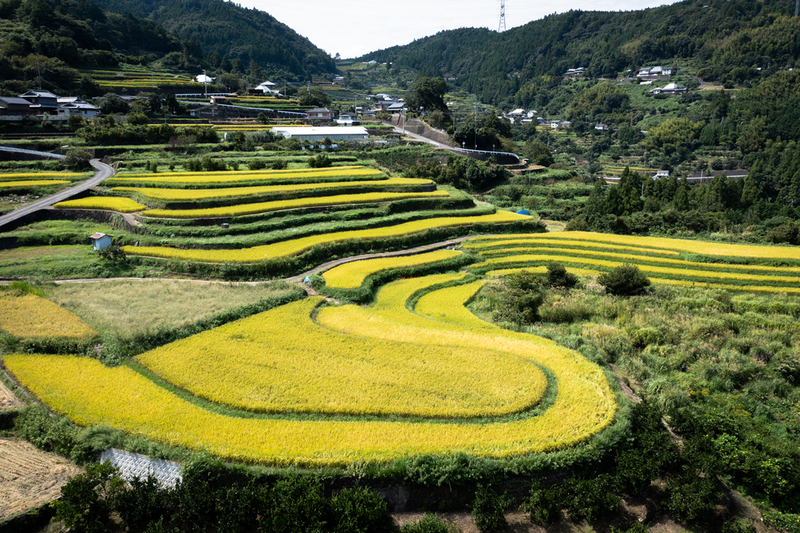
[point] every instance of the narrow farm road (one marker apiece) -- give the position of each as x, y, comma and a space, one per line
410, 251
103, 172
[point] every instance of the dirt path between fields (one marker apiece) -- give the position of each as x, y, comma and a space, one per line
409, 251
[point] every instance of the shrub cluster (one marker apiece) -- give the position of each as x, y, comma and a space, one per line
213, 498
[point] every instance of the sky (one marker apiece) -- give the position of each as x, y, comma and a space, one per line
353, 28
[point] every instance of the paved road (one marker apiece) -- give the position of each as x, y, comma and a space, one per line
103, 172
421, 138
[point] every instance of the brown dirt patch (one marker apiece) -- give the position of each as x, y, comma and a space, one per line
29, 477
7, 399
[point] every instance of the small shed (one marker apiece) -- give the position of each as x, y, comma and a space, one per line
100, 240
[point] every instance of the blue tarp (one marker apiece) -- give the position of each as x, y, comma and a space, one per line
524, 212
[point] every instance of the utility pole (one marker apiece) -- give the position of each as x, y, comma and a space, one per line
476, 126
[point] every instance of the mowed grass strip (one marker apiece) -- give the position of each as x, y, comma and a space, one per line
134, 308
295, 246
106, 203
295, 203
29, 316
352, 275
205, 194
281, 361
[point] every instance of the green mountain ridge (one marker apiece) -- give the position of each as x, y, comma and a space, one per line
223, 29
725, 40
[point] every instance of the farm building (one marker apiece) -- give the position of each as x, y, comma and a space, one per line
100, 240
334, 133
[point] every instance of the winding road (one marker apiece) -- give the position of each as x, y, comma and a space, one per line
103, 172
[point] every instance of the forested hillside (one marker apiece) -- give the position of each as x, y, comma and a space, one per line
225, 30
55, 37
725, 40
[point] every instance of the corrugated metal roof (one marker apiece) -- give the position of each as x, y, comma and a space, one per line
133, 465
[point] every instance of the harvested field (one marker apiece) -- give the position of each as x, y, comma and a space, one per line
30, 477
7, 399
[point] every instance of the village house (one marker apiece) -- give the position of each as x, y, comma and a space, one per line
71, 105
267, 87
44, 105
669, 89
319, 114
14, 108
655, 73
42, 102
347, 119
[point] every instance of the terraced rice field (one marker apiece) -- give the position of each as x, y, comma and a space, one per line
105, 203
205, 179
31, 183
210, 193
17, 176
311, 370
668, 261
139, 79
29, 316
296, 246
296, 203
87, 392
352, 275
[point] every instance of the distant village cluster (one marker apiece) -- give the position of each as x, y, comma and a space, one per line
44, 105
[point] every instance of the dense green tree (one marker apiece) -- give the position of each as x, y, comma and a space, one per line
428, 94
538, 153
625, 280
112, 104
87, 500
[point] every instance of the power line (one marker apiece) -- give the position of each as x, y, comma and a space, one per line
502, 26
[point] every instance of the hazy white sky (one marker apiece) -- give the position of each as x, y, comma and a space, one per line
355, 27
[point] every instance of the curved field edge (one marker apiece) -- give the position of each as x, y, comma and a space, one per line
705, 248
352, 275
89, 394
296, 246
281, 361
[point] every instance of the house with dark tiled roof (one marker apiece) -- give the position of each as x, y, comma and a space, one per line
41, 101
12, 106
